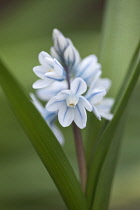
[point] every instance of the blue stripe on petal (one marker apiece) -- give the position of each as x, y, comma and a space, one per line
54, 78
94, 94
65, 114
78, 87
79, 112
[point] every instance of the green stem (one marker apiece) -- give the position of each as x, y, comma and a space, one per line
80, 155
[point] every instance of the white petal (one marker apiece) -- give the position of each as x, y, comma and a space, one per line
90, 74
91, 59
42, 56
103, 83
53, 76
41, 83
56, 33
107, 116
96, 96
54, 104
85, 103
71, 56
65, 115
37, 103
49, 116
96, 112
106, 104
105, 107
46, 94
58, 68
86, 63
54, 54
63, 94
50, 62
78, 86
58, 134
40, 71
69, 41
77, 58
62, 42
80, 116
94, 81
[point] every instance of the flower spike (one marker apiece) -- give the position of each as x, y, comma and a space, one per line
64, 77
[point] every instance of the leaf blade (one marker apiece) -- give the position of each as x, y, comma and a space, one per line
120, 37
104, 140
44, 142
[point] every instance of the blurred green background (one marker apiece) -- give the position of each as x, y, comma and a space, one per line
25, 30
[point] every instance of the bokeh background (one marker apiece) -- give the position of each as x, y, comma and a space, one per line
25, 30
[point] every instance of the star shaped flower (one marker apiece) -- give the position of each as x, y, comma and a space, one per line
49, 71
71, 105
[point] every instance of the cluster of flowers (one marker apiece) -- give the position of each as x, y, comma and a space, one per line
64, 77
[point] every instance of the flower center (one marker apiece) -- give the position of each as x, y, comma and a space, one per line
72, 100
50, 70
72, 105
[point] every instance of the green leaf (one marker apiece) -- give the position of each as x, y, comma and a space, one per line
121, 33
103, 188
119, 39
106, 138
44, 142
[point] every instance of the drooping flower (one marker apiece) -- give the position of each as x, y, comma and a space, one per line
49, 71
71, 105
49, 117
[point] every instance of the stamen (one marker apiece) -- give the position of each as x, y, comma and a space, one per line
50, 70
72, 105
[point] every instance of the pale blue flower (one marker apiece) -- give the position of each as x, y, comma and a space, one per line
104, 107
64, 50
47, 93
71, 106
49, 71
88, 68
64, 77
49, 118
95, 95
60, 42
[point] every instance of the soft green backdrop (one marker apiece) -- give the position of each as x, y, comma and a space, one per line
25, 30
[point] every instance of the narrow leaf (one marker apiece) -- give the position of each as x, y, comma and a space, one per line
121, 33
120, 36
106, 137
44, 142
103, 188
118, 42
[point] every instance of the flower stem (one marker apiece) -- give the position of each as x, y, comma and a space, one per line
80, 155
78, 145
